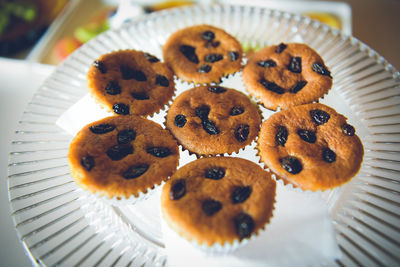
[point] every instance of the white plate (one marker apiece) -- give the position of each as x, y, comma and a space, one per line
59, 224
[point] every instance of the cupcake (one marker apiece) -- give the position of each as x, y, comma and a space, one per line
218, 202
211, 120
311, 147
202, 54
286, 75
122, 157
130, 82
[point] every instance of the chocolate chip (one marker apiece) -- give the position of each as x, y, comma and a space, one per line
349, 130
121, 109
190, 53
240, 194
202, 112
113, 88
319, 116
150, 57
102, 128
320, 69
216, 89
100, 66
178, 190
204, 68
306, 135
295, 65
119, 152
279, 49
233, 55
211, 206
273, 87
210, 127
129, 73
139, 76
215, 173
291, 164
162, 80
135, 171
87, 162
328, 155
208, 35
266, 63
242, 132
180, 120
140, 95
236, 110
297, 87
159, 152
211, 58
126, 136
281, 135
244, 225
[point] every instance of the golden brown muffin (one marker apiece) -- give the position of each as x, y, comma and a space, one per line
202, 54
310, 146
122, 156
286, 75
130, 82
211, 120
218, 200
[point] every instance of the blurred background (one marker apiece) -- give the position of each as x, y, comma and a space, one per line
48, 31
36, 35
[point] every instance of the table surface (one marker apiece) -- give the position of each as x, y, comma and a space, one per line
375, 23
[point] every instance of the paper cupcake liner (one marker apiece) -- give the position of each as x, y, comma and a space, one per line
123, 200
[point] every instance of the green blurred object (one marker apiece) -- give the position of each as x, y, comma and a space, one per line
23, 22
11, 12
85, 33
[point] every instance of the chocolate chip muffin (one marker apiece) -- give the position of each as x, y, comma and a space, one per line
310, 146
286, 75
218, 200
130, 82
202, 54
120, 157
211, 120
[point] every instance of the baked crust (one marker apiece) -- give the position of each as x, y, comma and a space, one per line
186, 215
316, 173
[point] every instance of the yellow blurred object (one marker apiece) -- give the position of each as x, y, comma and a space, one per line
167, 4
326, 18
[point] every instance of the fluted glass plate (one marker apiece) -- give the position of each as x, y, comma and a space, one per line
59, 224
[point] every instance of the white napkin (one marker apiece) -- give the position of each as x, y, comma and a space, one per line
85, 111
300, 233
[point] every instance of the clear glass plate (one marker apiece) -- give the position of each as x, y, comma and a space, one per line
59, 224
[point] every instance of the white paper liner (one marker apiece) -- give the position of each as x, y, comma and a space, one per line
122, 201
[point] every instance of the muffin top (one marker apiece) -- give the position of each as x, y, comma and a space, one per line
130, 82
286, 75
310, 146
122, 156
202, 54
211, 120
218, 200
